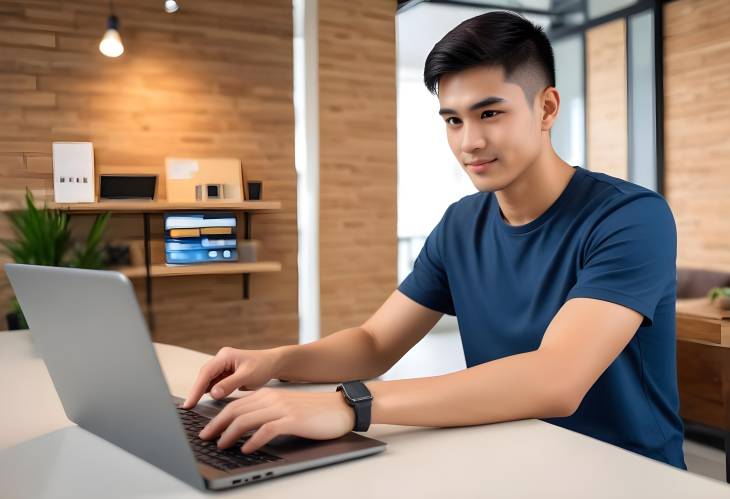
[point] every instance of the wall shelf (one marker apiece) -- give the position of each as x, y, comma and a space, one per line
146, 209
200, 269
163, 206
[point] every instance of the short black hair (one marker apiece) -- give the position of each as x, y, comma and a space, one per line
496, 39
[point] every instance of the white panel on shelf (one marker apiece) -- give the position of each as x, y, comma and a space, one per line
73, 172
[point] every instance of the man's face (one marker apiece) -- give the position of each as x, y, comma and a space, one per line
507, 132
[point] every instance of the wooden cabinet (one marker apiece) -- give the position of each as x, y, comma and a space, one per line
703, 363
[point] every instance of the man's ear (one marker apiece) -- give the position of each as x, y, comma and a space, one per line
549, 100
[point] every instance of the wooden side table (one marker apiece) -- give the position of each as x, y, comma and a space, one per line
703, 366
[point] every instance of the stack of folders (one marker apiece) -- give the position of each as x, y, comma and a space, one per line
200, 238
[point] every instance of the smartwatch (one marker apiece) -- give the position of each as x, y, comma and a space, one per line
360, 399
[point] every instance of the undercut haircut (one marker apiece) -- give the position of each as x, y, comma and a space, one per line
500, 39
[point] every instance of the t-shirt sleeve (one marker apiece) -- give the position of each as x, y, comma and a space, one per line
428, 283
630, 257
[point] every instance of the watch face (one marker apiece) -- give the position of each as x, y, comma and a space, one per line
356, 391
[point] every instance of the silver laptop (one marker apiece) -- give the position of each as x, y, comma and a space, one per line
88, 327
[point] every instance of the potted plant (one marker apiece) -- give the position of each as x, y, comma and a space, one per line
43, 237
720, 297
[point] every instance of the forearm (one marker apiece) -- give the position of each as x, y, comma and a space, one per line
517, 387
345, 355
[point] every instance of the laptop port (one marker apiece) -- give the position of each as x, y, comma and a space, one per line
269, 473
236, 481
256, 477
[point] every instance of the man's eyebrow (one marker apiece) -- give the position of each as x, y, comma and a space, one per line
482, 103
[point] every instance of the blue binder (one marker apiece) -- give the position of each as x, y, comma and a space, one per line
200, 248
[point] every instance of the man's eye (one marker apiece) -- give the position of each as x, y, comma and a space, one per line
491, 114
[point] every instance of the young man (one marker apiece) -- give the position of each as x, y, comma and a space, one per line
562, 280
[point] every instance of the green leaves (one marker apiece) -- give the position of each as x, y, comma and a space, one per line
43, 237
91, 255
715, 293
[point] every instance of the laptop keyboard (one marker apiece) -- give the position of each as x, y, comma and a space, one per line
206, 451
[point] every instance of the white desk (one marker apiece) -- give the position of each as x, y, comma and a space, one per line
44, 455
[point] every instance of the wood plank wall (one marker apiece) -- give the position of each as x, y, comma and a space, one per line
357, 112
606, 99
697, 123
214, 79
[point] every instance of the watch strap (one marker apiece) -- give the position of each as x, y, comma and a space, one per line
362, 408
362, 415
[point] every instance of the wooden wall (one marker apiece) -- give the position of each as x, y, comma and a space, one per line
606, 99
357, 113
214, 79
696, 127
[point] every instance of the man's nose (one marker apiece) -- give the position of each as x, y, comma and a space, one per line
473, 139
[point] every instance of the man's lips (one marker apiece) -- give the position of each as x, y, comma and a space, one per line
479, 167
482, 162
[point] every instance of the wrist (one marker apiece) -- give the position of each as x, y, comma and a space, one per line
347, 411
280, 358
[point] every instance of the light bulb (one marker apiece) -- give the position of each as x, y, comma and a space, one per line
111, 45
171, 6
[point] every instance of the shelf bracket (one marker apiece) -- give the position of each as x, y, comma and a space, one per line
246, 236
247, 225
246, 285
148, 276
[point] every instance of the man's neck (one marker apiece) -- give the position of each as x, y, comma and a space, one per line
533, 192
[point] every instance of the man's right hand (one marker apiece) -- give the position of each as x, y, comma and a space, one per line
232, 368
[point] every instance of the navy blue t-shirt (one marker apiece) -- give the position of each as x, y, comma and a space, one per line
603, 238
